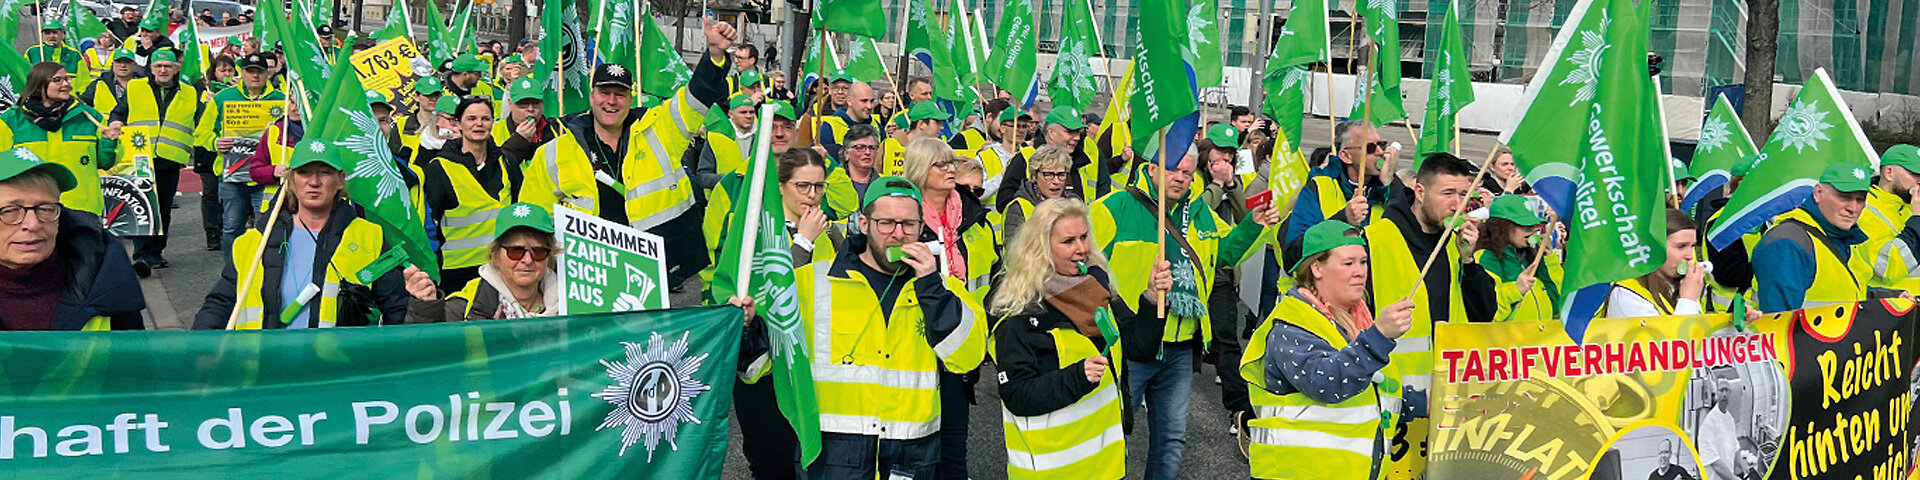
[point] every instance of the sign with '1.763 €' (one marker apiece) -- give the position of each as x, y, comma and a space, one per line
606, 266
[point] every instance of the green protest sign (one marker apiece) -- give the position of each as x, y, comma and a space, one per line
606, 266
632, 395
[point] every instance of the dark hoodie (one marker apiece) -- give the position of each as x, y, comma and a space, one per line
99, 278
1481, 300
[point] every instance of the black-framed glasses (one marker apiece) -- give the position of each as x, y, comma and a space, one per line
517, 252
1060, 175
17, 214
863, 148
805, 187
888, 225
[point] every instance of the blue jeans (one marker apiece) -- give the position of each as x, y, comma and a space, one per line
845, 456
239, 202
1166, 386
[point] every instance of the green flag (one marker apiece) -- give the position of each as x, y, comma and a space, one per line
85, 25
193, 60
1013, 64
962, 46
859, 17
342, 120
959, 73
1383, 27
613, 30
564, 52
1072, 83
10, 16
612, 396
268, 25
462, 29
661, 70
13, 77
1385, 101
302, 42
1723, 141
863, 60
1203, 42
438, 50
1590, 140
319, 12
399, 23
1286, 102
1817, 131
1451, 89
811, 68
928, 41
768, 266
1164, 92
1304, 38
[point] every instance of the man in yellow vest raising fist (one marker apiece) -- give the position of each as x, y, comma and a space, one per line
157, 122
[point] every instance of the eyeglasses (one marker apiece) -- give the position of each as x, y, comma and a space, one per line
1062, 175
863, 148
517, 252
805, 187
947, 164
17, 214
888, 225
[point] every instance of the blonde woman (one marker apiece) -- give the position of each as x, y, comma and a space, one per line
1060, 400
1047, 172
1319, 359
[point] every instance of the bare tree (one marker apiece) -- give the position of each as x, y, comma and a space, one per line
516, 22
1763, 33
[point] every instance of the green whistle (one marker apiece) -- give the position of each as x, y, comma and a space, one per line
1082, 266
394, 258
894, 254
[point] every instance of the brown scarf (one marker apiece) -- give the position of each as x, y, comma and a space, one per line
1077, 297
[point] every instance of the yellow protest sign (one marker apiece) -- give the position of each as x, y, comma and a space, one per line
249, 119
390, 69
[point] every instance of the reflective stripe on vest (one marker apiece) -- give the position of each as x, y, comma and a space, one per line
173, 141
359, 245
468, 227
1396, 272
665, 192
1081, 440
1834, 282
1297, 437
875, 397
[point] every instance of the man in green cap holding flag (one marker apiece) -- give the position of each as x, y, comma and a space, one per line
159, 117
321, 265
465, 79
153, 37
1889, 206
530, 128
1064, 129
53, 48
1818, 255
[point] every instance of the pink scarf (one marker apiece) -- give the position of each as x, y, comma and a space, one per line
1362, 318
946, 225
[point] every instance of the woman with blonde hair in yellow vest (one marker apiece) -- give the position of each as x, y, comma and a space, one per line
1673, 289
1327, 397
465, 188
308, 275
516, 282
1510, 239
1059, 392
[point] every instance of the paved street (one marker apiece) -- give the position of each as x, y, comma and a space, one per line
175, 294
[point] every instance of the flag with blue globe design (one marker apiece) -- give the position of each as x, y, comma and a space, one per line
1818, 130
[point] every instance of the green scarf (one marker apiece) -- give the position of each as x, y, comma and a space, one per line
1184, 300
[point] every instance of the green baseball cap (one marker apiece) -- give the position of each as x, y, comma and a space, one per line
899, 120
522, 214
750, 78
515, 58
1223, 136
1680, 170
1514, 208
840, 75
890, 187
1744, 165
1065, 117
163, 55
1903, 156
447, 104
784, 109
428, 86
1009, 114
374, 97
17, 160
1324, 236
311, 151
154, 22
1847, 177
526, 89
123, 54
469, 63
54, 24
234, 40
739, 100
925, 111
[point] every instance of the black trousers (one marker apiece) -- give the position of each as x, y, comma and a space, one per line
166, 176
767, 439
211, 214
844, 456
1223, 305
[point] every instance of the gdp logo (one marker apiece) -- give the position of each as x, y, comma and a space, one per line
139, 140
653, 392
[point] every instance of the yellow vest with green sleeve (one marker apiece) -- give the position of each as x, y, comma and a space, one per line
879, 376
173, 136
657, 188
1081, 440
1533, 305
360, 244
75, 145
1396, 272
1834, 281
468, 228
1295, 437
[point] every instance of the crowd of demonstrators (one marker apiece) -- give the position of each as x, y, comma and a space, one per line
952, 237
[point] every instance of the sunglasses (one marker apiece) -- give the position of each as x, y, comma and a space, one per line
517, 252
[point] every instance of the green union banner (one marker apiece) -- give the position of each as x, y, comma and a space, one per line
632, 395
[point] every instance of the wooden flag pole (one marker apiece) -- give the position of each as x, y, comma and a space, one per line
827, 98
1100, 43
1160, 216
639, 38
1447, 233
273, 217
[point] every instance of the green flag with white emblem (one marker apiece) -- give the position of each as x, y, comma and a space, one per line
613, 30
344, 123
1013, 64
863, 60
1723, 142
1286, 102
1818, 130
1304, 38
399, 23
1203, 42
1385, 101
437, 46
1072, 84
565, 59
1164, 92
1452, 87
1383, 27
661, 70
13, 76
461, 29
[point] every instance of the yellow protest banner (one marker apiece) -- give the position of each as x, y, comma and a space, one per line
390, 69
249, 119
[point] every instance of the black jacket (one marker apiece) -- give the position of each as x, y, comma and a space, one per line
100, 280
388, 293
437, 188
1476, 285
1026, 356
518, 149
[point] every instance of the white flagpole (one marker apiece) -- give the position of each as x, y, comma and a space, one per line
756, 193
